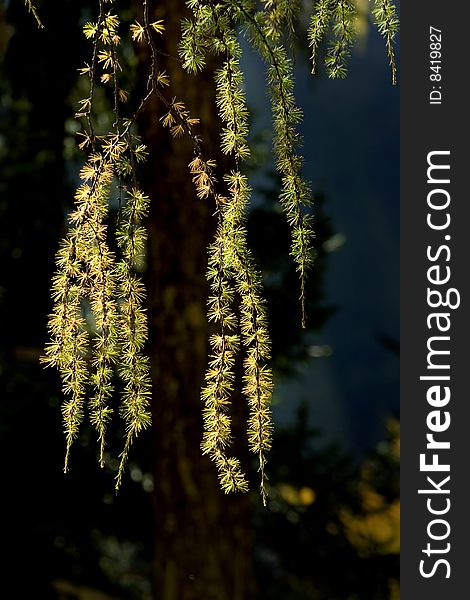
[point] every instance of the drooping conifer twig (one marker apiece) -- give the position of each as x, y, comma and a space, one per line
32, 9
229, 255
386, 19
344, 34
340, 17
254, 327
67, 349
319, 22
295, 196
99, 262
220, 375
104, 290
219, 378
102, 285
257, 376
134, 368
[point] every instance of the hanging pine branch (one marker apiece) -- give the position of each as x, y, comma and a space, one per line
340, 17
230, 259
295, 196
386, 19
87, 356
319, 22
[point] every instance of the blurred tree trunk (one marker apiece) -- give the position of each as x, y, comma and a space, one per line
203, 540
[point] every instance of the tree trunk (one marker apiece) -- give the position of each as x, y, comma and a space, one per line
203, 540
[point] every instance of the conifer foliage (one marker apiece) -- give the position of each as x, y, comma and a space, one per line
337, 19
98, 324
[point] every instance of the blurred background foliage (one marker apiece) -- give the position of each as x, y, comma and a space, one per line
331, 529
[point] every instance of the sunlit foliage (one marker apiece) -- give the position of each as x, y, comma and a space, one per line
98, 324
337, 21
